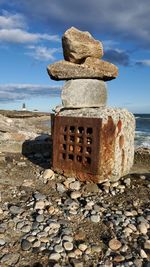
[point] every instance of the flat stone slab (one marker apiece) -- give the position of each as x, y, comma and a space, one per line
102, 145
90, 69
78, 45
84, 93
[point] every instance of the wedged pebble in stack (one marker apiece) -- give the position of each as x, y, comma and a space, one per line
84, 71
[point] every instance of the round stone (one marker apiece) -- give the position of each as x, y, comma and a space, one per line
115, 244
26, 229
132, 227
39, 205
19, 225
31, 238
96, 249
78, 252
36, 244
25, 244
39, 196
147, 244
54, 225
75, 185
84, 93
82, 247
48, 174
68, 246
71, 255
40, 218
67, 238
55, 256
75, 194
15, 209
143, 254
119, 258
95, 218
61, 188
142, 228
58, 248
2, 242
127, 181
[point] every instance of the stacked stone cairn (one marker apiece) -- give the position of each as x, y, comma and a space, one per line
84, 94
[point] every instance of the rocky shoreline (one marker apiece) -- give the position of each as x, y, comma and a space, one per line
50, 220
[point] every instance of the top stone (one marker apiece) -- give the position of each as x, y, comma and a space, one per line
78, 45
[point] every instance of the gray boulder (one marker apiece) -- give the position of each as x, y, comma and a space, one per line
84, 93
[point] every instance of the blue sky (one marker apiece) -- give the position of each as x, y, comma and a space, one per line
30, 39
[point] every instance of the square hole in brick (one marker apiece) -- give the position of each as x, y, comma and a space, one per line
72, 129
88, 150
65, 138
80, 130
89, 140
71, 148
79, 158
79, 140
62, 156
65, 129
72, 138
89, 130
64, 147
71, 157
79, 149
87, 161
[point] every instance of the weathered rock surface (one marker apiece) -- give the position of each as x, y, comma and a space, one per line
18, 127
78, 45
84, 93
90, 69
115, 143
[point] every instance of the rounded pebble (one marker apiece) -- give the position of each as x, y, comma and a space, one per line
75, 194
25, 244
68, 246
75, 185
58, 249
55, 256
2, 242
40, 218
114, 244
95, 218
39, 205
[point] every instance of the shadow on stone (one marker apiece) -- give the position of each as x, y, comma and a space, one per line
39, 150
37, 264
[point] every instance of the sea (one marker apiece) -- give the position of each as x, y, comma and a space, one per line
142, 133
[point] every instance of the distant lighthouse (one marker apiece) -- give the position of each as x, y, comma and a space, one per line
24, 107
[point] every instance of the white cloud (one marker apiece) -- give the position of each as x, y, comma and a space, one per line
9, 21
11, 92
22, 36
42, 53
13, 29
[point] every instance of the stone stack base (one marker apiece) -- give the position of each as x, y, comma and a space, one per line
95, 144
